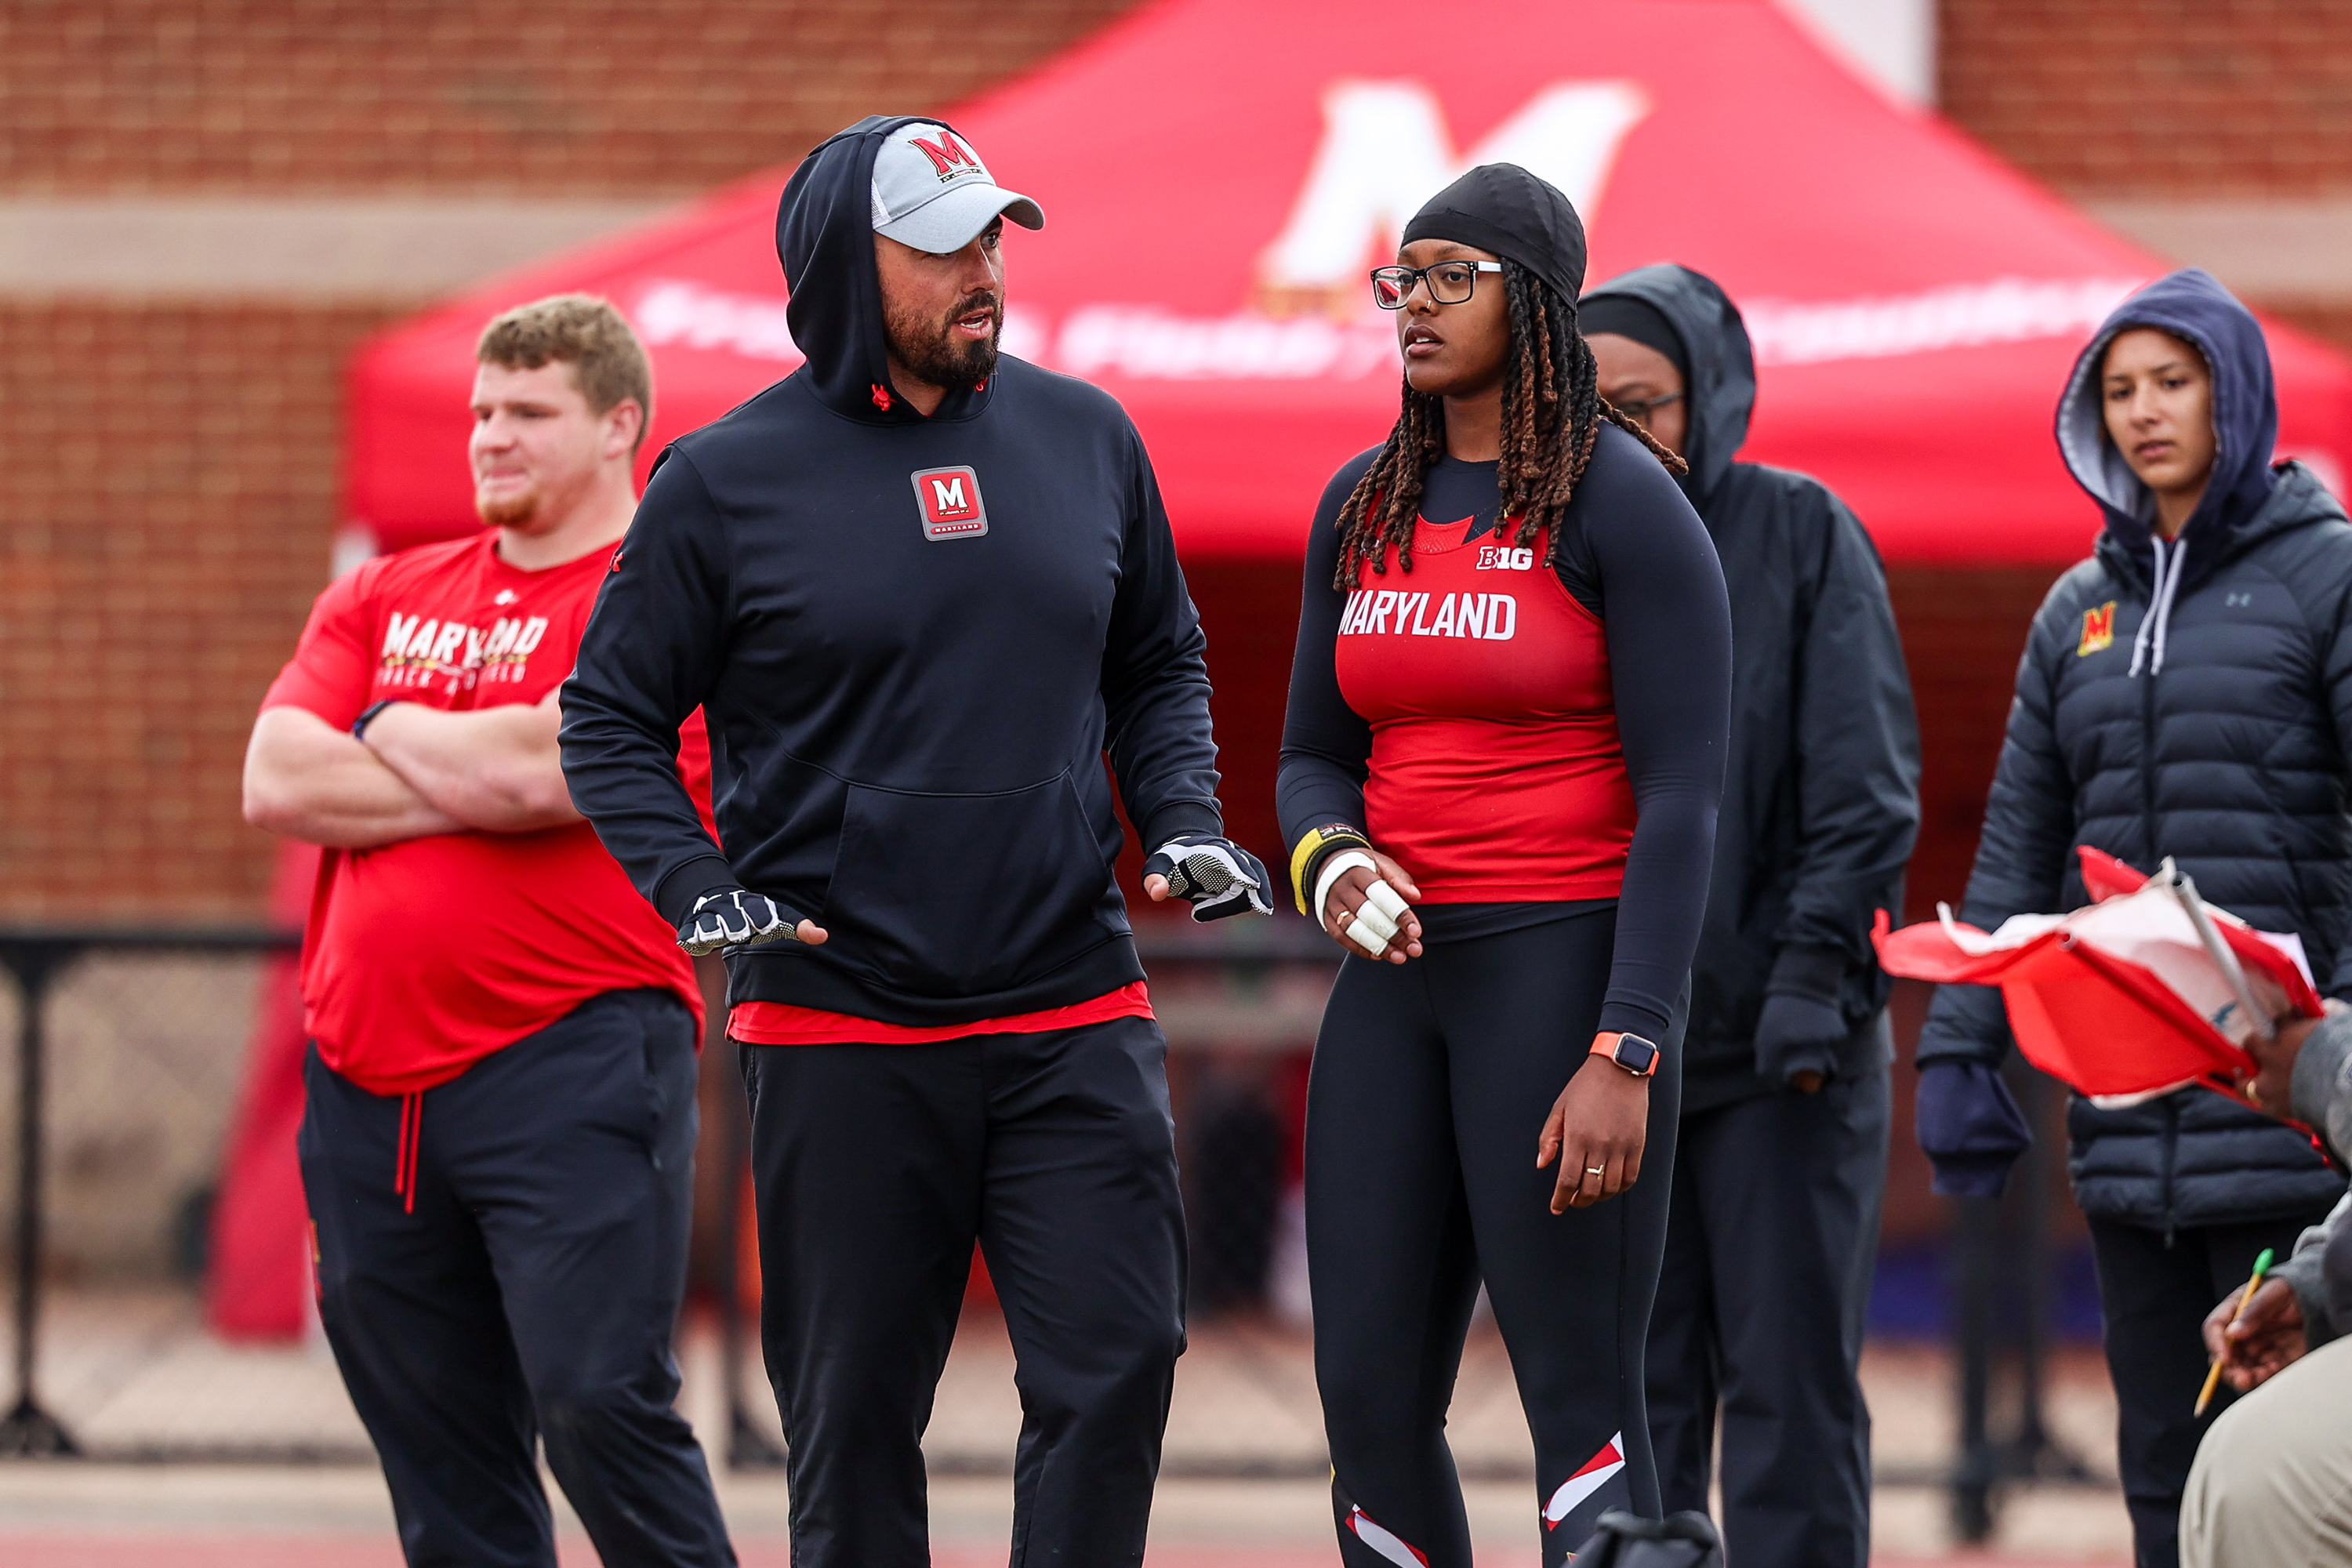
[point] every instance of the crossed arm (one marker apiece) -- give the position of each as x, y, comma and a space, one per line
419, 770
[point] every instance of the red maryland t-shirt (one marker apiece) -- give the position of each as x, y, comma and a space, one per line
421, 957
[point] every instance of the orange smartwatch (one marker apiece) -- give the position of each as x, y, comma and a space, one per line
1632, 1052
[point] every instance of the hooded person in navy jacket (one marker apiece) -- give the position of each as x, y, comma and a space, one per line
921, 590
2186, 692
1781, 1158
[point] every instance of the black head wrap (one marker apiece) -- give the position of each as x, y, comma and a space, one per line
1628, 317
1503, 208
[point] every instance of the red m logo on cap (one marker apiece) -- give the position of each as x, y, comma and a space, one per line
946, 153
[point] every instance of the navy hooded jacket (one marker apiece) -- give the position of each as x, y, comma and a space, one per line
908, 721
2213, 734
1820, 798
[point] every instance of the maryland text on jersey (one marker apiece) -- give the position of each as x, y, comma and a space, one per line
417, 651
1489, 618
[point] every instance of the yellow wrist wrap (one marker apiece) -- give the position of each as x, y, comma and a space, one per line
1333, 835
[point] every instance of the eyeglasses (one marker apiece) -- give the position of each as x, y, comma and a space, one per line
1639, 409
1450, 282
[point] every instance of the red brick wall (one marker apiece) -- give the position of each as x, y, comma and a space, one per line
2159, 98
167, 479
589, 97
168, 470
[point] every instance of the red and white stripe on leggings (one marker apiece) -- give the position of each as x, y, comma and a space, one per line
1586, 1481
1390, 1548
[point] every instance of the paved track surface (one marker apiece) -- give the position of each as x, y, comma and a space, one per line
341, 1551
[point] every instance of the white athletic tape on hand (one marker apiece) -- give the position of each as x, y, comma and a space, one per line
1346, 860
1386, 900
1371, 940
1376, 923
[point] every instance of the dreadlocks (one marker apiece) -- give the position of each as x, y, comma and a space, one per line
1552, 410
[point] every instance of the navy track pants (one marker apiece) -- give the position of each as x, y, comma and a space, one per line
531, 1293
877, 1167
1431, 1084
1771, 1244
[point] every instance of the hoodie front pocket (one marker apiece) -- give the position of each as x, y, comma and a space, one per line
958, 895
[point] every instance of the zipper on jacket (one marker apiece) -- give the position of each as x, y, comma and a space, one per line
2171, 1148
2147, 765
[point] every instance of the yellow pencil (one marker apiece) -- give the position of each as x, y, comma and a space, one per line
2213, 1378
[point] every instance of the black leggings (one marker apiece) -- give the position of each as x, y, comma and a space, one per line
1431, 1084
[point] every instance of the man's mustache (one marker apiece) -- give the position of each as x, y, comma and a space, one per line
973, 301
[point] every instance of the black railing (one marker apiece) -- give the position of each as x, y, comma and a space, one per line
36, 958
2001, 1255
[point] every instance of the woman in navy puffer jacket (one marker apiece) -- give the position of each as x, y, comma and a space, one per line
2185, 692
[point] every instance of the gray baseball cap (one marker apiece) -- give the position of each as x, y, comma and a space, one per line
932, 192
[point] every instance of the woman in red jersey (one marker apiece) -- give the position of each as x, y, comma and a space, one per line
1500, 770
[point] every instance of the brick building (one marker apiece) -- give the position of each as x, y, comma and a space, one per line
205, 205
202, 207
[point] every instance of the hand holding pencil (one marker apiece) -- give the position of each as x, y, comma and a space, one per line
2253, 1333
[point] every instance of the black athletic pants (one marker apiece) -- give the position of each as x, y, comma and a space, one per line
877, 1167
1770, 1246
1431, 1084
530, 1294
2154, 1292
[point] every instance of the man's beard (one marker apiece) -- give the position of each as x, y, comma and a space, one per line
931, 350
508, 512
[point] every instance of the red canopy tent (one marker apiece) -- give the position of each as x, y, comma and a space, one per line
1218, 174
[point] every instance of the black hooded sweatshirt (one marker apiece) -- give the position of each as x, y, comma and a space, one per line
907, 715
2213, 733
1821, 800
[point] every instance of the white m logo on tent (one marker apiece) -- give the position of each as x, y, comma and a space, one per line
1386, 150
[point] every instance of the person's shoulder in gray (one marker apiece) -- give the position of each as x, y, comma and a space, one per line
2319, 1272
2267, 1483
1821, 805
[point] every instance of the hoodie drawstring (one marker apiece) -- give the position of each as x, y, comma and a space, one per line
2149, 646
403, 1162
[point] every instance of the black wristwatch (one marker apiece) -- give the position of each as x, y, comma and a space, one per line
1632, 1052
367, 716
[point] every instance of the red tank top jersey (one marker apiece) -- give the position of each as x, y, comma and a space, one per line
421, 957
1495, 774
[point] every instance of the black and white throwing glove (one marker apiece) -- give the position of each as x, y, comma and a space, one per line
735, 917
1215, 876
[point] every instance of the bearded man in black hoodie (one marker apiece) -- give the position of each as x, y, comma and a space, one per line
919, 591
1780, 1162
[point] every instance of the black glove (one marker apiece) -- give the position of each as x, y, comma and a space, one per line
1628, 1541
1216, 875
735, 917
1969, 1126
1797, 1034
